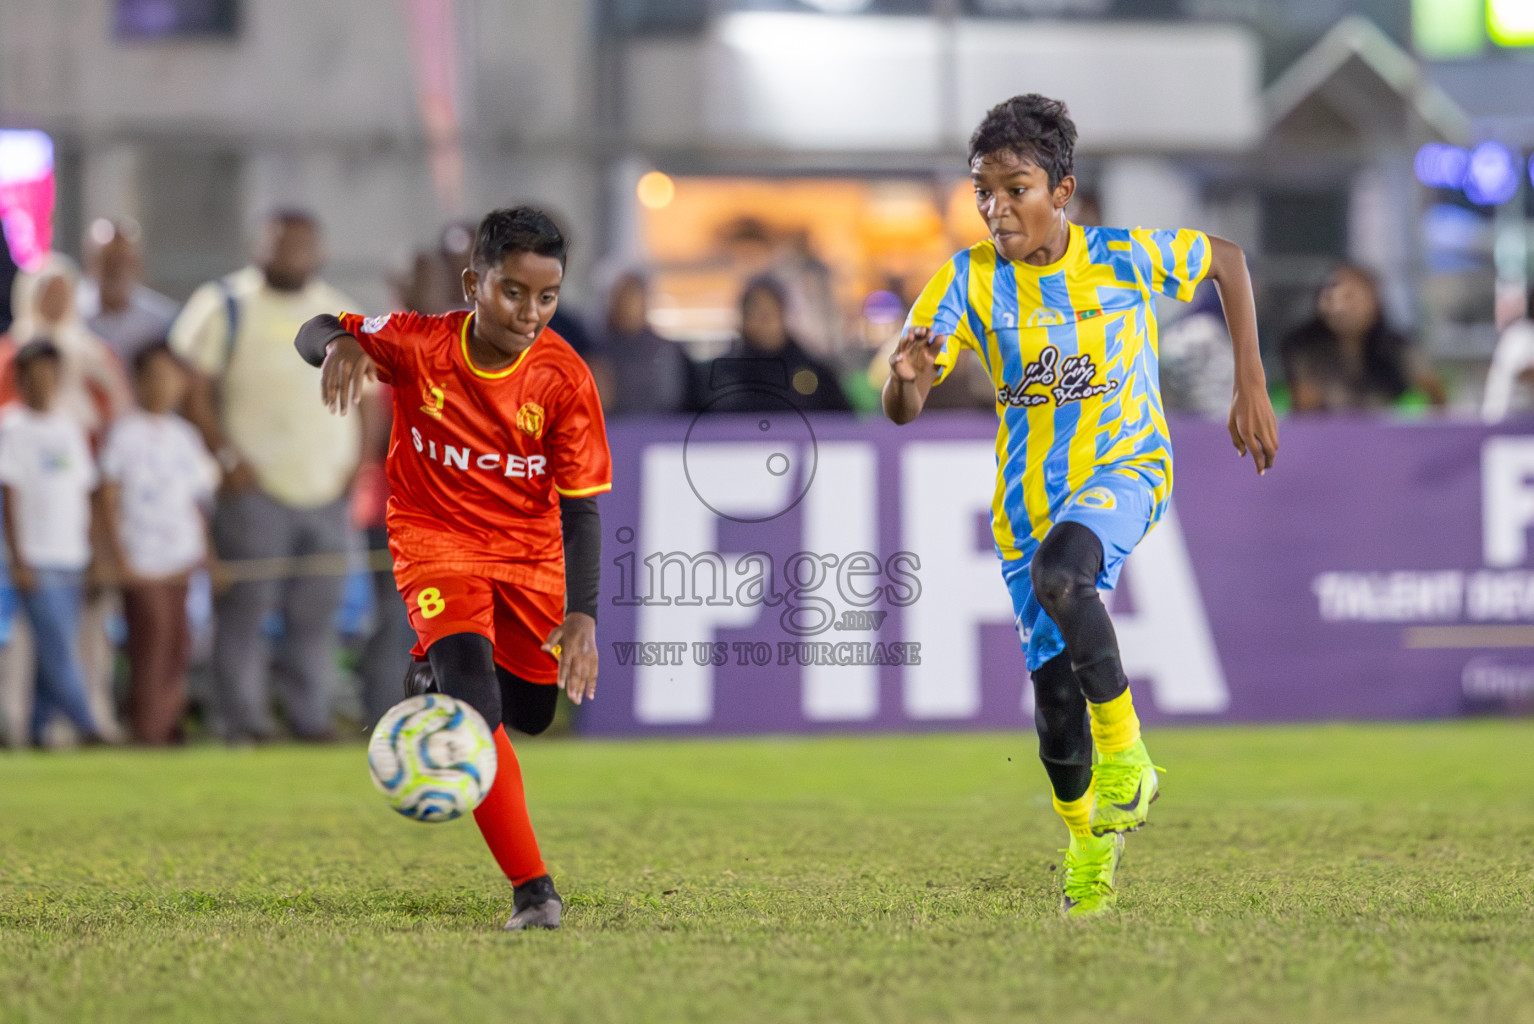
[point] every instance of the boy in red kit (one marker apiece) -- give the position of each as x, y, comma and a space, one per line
497, 451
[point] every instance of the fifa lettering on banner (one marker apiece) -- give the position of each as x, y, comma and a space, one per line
1507, 500
941, 584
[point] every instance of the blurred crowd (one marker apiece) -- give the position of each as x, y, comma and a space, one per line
195, 546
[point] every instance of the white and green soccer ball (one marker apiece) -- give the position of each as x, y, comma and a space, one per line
433, 757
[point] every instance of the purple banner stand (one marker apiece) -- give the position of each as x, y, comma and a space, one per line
772, 573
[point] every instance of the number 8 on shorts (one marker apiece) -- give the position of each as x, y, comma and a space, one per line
430, 602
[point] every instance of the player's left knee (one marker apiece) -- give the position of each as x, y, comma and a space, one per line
1058, 587
1064, 569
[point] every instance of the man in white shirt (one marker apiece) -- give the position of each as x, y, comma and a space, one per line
288, 466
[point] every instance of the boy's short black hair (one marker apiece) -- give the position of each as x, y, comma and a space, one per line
1032, 126
144, 356
32, 351
520, 229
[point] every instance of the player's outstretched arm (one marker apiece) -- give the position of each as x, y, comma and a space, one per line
1253, 427
574, 641
344, 366
913, 369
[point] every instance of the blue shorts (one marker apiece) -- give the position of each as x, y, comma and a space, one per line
1120, 509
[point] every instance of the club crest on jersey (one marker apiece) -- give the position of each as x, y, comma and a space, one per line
1096, 497
435, 399
1045, 317
530, 420
374, 324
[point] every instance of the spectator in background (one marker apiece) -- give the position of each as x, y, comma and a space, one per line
287, 467
1347, 357
92, 390
113, 300
158, 477
46, 481
639, 372
435, 282
92, 385
766, 342
1198, 365
1510, 379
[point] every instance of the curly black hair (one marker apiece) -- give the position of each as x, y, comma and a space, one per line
519, 229
1032, 126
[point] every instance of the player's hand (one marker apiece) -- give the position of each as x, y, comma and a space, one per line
574, 643
915, 353
343, 373
1253, 427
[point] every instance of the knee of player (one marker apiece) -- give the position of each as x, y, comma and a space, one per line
1056, 586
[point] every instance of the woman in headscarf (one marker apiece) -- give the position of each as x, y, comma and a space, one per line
93, 386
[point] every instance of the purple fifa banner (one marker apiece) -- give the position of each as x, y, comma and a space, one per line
774, 573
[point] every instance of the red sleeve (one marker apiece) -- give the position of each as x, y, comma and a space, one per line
577, 441
384, 338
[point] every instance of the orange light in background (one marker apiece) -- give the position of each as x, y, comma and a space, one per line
965, 224
656, 190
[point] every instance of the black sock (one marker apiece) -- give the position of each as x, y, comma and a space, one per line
1060, 715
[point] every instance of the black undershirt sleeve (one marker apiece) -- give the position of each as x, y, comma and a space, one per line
582, 528
315, 334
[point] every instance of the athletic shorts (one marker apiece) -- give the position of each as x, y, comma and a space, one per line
1120, 509
514, 619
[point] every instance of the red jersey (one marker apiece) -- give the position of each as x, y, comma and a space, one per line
478, 459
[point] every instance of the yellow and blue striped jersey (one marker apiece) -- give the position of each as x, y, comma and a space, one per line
1071, 349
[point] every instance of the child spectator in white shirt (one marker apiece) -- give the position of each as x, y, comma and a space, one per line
158, 477
47, 478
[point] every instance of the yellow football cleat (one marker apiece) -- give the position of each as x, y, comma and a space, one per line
1124, 785
1091, 865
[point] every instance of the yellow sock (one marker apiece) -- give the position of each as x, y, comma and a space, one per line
1115, 726
1077, 814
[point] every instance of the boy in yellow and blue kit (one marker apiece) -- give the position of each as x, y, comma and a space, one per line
1063, 317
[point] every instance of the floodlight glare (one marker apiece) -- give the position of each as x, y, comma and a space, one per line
839, 6
656, 190
1492, 174
1441, 166
1510, 22
25, 155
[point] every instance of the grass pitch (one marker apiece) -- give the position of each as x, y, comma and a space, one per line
1296, 874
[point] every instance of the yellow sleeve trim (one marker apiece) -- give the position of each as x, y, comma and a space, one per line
489, 374
583, 491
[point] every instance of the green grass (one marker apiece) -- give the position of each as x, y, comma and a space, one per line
1294, 874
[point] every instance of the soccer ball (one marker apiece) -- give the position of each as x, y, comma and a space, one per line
433, 757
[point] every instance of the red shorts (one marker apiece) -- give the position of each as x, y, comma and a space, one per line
515, 620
